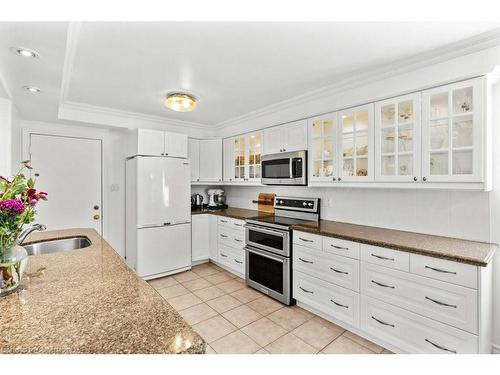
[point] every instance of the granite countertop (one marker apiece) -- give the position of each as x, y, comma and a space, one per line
463, 251
235, 213
89, 301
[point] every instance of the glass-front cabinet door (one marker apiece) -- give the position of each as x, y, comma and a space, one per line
240, 160
355, 134
323, 148
246, 157
397, 139
452, 132
254, 141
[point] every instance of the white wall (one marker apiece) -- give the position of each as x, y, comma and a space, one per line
5, 137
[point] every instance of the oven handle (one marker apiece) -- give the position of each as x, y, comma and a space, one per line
265, 230
265, 255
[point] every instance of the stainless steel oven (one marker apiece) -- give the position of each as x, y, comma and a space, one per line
286, 168
276, 241
269, 273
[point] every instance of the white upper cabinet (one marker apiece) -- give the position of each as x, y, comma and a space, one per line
323, 154
194, 158
176, 145
286, 138
242, 156
397, 139
210, 160
157, 143
452, 132
356, 130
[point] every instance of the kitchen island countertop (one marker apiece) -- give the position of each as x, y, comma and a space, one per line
89, 301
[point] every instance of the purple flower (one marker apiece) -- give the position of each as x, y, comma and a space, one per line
12, 206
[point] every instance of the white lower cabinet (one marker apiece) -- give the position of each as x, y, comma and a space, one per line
200, 237
411, 332
230, 244
341, 303
411, 303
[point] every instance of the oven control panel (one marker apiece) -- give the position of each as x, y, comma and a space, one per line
297, 204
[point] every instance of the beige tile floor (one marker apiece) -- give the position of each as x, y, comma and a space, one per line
233, 318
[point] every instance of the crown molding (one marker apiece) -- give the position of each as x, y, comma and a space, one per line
363, 77
116, 117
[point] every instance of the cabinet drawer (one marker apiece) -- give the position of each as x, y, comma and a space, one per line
385, 257
231, 237
332, 268
411, 332
341, 247
307, 239
338, 302
231, 223
447, 303
232, 259
445, 270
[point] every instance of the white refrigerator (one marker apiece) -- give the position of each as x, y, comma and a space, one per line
158, 215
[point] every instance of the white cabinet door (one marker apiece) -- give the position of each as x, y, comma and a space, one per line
211, 160
228, 159
176, 145
194, 158
240, 157
200, 240
272, 140
253, 156
452, 132
163, 250
149, 142
397, 139
356, 143
213, 225
322, 135
294, 136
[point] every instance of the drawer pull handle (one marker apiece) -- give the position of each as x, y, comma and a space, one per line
440, 270
305, 290
340, 247
223, 235
306, 261
339, 304
385, 286
223, 255
223, 221
237, 240
238, 225
237, 261
382, 322
440, 347
441, 303
305, 239
343, 272
381, 257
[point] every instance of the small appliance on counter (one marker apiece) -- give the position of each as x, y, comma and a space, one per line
216, 199
269, 246
197, 201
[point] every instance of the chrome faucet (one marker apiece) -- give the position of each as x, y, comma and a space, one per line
27, 231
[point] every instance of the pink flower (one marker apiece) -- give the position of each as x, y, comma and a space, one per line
12, 206
33, 202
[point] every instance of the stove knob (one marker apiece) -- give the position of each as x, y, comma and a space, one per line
280, 202
310, 204
304, 204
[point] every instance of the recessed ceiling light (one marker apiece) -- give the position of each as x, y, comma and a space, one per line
25, 52
180, 102
31, 88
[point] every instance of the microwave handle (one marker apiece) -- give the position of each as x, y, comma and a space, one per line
291, 168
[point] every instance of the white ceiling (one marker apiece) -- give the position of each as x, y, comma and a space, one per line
233, 68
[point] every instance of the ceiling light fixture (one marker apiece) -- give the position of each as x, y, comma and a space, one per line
31, 89
180, 102
25, 52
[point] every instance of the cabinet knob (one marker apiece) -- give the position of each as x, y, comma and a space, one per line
96, 217
334, 179
424, 178
340, 179
96, 207
415, 179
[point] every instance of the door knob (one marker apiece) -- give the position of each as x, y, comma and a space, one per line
96, 217
96, 207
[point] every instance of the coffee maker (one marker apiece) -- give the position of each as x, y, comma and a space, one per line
216, 199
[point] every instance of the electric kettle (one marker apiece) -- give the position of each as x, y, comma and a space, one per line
196, 200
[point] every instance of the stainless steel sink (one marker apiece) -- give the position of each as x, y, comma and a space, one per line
56, 246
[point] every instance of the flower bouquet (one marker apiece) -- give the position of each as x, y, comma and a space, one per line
18, 199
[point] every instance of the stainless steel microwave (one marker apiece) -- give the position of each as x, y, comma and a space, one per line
286, 168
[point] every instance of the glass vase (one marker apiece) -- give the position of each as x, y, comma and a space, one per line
13, 262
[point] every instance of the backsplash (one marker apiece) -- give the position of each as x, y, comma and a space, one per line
461, 214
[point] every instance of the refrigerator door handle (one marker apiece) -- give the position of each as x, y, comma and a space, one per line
163, 225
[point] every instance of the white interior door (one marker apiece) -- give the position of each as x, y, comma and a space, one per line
69, 170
